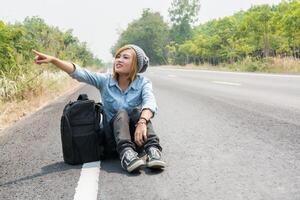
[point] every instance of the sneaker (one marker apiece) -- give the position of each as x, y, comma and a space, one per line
130, 160
154, 160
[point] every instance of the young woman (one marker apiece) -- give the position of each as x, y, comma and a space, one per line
129, 104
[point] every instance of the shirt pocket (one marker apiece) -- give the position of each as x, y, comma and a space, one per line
134, 102
112, 104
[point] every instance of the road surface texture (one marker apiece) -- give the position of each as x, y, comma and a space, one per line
224, 136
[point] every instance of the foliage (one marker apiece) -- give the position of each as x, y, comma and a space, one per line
259, 32
17, 72
150, 33
183, 13
247, 36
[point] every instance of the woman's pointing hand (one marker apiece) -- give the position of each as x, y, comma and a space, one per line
42, 58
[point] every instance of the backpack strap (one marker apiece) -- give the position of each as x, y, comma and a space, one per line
99, 119
69, 135
83, 97
99, 107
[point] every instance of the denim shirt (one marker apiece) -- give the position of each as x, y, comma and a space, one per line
138, 94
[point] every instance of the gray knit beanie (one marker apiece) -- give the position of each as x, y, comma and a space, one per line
142, 59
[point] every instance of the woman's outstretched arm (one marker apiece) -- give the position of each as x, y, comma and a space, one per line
74, 70
41, 58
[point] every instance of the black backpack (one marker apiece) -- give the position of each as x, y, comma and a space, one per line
81, 135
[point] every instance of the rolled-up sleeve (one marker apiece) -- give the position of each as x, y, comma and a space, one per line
87, 76
149, 100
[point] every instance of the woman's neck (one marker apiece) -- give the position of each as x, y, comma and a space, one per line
123, 82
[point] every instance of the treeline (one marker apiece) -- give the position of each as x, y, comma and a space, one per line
17, 72
260, 32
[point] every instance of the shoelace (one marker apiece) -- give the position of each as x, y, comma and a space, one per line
154, 153
129, 155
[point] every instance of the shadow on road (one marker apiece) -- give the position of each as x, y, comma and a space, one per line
110, 166
114, 166
48, 169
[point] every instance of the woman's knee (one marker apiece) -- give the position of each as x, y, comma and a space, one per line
122, 114
135, 114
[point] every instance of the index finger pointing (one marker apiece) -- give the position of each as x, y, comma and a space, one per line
37, 53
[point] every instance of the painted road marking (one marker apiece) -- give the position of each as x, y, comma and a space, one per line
226, 83
87, 188
227, 72
171, 75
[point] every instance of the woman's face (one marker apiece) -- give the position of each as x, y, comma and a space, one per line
123, 62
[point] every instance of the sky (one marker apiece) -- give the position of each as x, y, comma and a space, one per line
99, 22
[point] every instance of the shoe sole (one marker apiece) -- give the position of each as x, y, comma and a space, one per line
156, 164
135, 166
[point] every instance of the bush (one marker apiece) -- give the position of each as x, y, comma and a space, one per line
18, 74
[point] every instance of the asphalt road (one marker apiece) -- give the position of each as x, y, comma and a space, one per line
224, 136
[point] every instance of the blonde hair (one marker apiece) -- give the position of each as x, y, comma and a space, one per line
133, 71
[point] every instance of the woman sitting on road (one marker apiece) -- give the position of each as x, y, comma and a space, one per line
129, 104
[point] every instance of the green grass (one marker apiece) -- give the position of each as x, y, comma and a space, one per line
269, 65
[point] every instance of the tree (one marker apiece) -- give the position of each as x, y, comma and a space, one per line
150, 33
291, 24
258, 22
6, 50
261, 31
183, 13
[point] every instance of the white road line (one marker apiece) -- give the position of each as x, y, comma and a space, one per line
87, 188
228, 72
172, 75
226, 83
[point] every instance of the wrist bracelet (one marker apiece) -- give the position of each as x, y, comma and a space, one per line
145, 119
140, 123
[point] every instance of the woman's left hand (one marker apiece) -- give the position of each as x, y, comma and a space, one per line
140, 135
